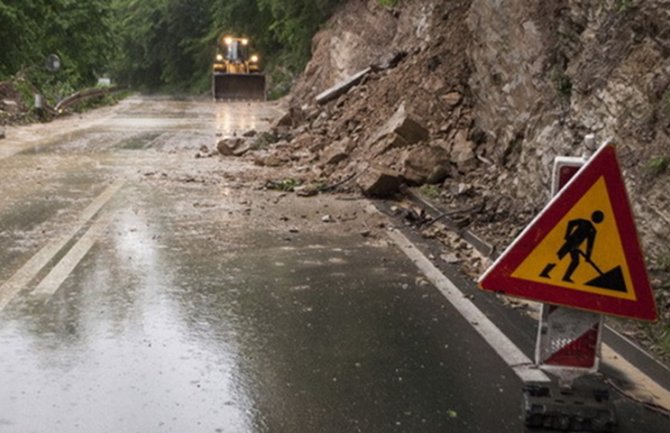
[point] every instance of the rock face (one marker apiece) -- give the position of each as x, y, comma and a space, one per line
361, 34
599, 68
505, 87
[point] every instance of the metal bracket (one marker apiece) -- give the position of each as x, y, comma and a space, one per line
576, 409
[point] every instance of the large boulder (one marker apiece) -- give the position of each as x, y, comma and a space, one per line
403, 125
379, 182
425, 164
463, 152
337, 152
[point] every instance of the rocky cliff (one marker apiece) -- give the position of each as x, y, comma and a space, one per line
479, 96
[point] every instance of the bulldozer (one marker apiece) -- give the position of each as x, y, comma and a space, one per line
236, 73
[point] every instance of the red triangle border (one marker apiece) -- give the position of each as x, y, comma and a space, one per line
498, 277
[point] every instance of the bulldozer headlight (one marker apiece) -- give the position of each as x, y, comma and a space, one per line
219, 58
254, 59
228, 40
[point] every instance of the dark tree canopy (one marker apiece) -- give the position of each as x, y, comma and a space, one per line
152, 43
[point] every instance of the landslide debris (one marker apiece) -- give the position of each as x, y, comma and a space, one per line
476, 98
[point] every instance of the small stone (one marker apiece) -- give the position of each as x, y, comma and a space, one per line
452, 98
326, 219
227, 146
306, 190
450, 258
250, 133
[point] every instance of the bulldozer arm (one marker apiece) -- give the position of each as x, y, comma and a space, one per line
238, 86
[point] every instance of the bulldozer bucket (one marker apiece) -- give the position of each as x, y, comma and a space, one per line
238, 86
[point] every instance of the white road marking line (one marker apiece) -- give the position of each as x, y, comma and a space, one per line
32, 267
521, 365
643, 386
52, 282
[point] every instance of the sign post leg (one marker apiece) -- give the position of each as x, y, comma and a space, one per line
568, 346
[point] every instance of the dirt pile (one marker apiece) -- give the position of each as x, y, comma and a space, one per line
475, 99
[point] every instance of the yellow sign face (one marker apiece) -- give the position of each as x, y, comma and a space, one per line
583, 252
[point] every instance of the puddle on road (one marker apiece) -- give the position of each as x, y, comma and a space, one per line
207, 307
181, 320
139, 142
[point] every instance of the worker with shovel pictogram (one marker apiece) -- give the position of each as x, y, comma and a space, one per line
580, 231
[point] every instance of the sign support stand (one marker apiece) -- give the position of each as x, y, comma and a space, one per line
568, 347
568, 340
581, 256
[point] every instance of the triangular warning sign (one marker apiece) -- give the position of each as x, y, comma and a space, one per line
582, 250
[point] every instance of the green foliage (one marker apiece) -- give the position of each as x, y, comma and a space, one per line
286, 185
101, 101
171, 43
561, 82
658, 165
430, 191
623, 5
152, 44
388, 3
78, 32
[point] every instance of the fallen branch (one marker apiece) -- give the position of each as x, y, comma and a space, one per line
81, 95
470, 209
340, 183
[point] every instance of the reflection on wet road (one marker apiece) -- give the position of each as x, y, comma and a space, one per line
186, 302
183, 302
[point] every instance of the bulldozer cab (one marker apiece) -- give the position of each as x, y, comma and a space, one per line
236, 72
236, 50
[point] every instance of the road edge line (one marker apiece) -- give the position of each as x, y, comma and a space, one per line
521, 364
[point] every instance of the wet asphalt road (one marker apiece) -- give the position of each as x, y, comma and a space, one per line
145, 290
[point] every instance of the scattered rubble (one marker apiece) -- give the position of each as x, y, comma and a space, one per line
444, 108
